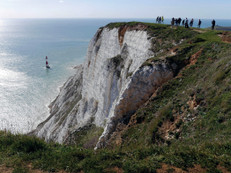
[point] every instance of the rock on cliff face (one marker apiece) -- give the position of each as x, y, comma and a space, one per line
110, 87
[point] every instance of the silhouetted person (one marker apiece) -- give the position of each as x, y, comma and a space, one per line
199, 23
173, 21
186, 23
183, 22
162, 19
213, 24
179, 21
191, 23
159, 20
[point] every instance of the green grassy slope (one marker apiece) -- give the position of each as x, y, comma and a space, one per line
190, 115
187, 122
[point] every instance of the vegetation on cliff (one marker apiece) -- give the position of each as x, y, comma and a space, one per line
186, 124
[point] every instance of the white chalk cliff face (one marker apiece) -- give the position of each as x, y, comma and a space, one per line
110, 85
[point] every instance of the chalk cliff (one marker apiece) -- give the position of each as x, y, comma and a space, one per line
115, 80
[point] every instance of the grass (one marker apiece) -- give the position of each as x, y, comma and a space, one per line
86, 137
133, 23
200, 132
211, 36
207, 82
19, 151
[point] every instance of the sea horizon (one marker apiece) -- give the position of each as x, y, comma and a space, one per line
114, 18
206, 22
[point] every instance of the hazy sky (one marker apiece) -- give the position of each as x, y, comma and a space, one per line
219, 9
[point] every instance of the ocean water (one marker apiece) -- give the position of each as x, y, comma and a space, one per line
26, 86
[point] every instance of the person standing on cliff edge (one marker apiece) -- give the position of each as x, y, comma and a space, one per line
186, 23
199, 23
157, 19
172, 22
191, 22
213, 24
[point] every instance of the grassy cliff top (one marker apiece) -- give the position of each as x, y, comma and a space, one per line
186, 124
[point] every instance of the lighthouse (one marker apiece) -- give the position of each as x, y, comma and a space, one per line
47, 65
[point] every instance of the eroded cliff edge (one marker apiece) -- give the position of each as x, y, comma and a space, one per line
125, 64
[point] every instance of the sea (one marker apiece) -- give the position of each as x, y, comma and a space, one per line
26, 86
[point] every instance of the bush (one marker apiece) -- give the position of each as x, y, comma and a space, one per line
28, 144
20, 170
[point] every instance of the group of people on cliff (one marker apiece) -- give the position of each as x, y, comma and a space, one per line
160, 19
184, 22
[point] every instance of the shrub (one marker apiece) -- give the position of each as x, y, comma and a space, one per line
28, 144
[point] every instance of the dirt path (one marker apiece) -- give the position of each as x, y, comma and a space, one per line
199, 30
226, 37
4, 169
196, 169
